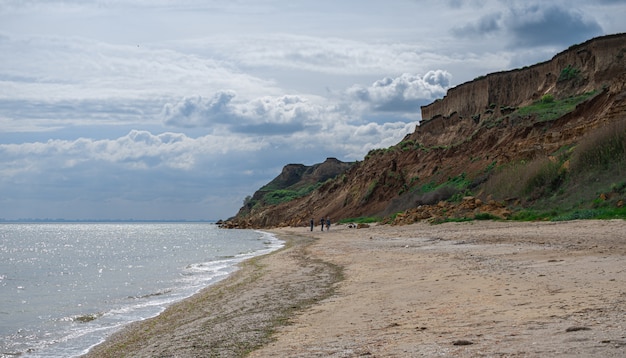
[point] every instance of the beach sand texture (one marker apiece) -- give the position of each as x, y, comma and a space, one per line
474, 289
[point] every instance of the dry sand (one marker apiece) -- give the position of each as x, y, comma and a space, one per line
476, 289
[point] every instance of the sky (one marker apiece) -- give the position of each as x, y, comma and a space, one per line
179, 109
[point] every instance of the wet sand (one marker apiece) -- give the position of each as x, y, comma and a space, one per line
488, 289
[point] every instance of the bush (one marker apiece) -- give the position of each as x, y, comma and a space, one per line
504, 183
544, 177
532, 215
583, 214
485, 216
568, 73
531, 181
603, 149
440, 194
279, 196
547, 98
360, 220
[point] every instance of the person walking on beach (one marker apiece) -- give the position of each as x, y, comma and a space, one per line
327, 224
322, 223
312, 224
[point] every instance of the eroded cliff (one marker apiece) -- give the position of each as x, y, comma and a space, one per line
477, 126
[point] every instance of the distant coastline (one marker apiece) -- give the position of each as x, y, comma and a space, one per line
30, 220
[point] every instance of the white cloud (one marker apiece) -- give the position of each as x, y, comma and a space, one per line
136, 150
318, 54
54, 69
165, 107
263, 116
405, 93
199, 112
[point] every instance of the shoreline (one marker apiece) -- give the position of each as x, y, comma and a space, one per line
234, 316
482, 288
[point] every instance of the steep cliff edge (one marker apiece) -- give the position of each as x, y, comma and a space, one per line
586, 67
294, 181
529, 114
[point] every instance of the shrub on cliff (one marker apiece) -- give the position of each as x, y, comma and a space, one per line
569, 73
603, 149
544, 178
525, 181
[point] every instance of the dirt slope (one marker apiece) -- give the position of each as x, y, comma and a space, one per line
476, 126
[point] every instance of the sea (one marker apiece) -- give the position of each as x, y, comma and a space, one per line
65, 287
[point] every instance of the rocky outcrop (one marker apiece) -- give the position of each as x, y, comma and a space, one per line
293, 177
469, 207
299, 175
478, 125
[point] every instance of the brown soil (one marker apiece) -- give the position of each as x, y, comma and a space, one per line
472, 130
489, 289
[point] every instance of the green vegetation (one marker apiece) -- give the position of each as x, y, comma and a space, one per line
459, 182
548, 108
600, 213
544, 178
533, 215
583, 182
360, 220
485, 216
601, 150
450, 220
569, 73
378, 151
547, 98
370, 191
479, 216
278, 196
458, 186
408, 145
575, 214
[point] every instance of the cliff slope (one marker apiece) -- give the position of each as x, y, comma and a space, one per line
295, 180
502, 118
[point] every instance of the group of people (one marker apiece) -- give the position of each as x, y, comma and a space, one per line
322, 223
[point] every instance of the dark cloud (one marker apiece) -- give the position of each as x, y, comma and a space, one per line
485, 25
538, 26
270, 128
455, 3
533, 26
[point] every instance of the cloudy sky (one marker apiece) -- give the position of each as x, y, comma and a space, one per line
179, 109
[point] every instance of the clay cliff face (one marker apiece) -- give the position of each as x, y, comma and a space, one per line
599, 63
474, 127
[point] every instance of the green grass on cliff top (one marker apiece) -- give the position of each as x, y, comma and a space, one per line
548, 108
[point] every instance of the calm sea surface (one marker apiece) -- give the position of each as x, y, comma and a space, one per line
65, 287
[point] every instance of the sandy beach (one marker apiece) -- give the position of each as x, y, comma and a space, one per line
474, 289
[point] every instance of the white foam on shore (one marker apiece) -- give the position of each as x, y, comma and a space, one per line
74, 334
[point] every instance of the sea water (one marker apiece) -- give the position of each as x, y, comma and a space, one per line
64, 287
